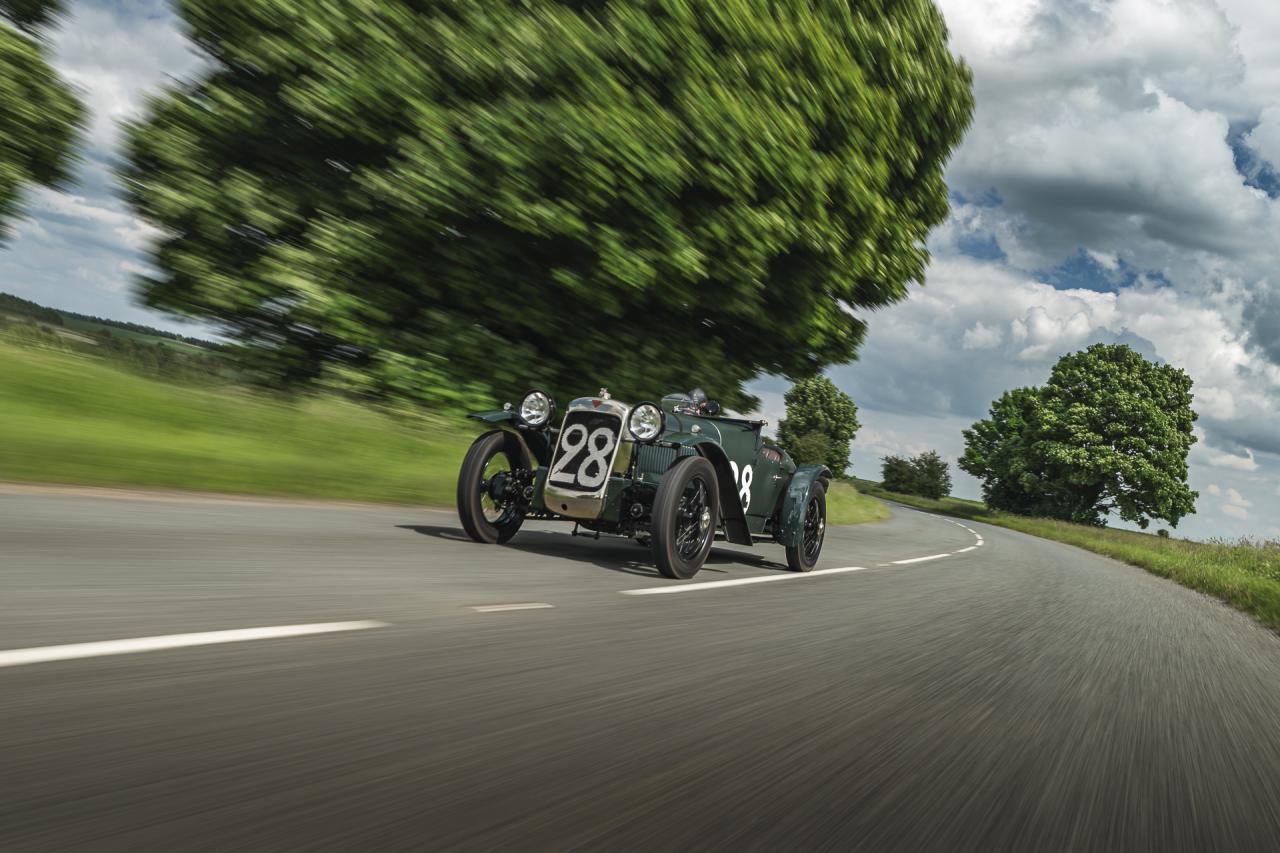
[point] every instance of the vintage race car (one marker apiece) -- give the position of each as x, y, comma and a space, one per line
676, 473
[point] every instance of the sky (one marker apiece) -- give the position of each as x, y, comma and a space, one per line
1120, 183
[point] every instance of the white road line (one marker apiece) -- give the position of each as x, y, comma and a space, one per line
44, 654
499, 608
920, 559
698, 587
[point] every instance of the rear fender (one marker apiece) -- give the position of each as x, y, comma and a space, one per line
735, 520
791, 518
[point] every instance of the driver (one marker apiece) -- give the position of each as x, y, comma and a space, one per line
695, 402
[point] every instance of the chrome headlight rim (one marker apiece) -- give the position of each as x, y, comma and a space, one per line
535, 422
661, 426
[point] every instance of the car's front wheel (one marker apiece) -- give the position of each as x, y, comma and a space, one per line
803, 556
685, 513
491, 502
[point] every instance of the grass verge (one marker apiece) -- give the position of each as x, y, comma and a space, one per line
67, 418
1244, 574
846, 505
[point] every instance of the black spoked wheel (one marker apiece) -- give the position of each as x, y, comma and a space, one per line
491, 484
804, 556
685, 512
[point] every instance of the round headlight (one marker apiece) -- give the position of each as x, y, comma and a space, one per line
646, 422
536, 409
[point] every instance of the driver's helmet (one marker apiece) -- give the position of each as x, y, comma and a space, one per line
692, 403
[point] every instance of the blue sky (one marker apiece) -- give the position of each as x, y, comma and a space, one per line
1120, 183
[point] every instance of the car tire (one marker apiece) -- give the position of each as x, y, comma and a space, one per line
687, 505
803, 556
472, 488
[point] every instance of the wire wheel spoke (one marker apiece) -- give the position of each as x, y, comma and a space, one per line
814, 529
690, 533
495, 510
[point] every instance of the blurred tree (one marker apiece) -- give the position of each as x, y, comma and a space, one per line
40, 117
816, 405
1110, 432
639, 195
31, 14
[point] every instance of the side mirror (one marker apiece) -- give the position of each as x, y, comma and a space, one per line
713, 408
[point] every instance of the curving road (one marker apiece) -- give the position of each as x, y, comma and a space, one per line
1013, 695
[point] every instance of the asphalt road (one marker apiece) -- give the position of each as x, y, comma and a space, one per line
1017, 695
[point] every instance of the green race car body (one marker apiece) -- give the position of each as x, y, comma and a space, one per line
592, 469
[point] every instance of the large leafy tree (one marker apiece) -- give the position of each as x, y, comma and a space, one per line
40, 117
1109, 433
639, 194
821, 419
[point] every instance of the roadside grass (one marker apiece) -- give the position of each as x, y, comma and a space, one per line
70, 418
846, 505
1244, 574
949, 506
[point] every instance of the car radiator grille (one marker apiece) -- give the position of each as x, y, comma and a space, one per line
655, 460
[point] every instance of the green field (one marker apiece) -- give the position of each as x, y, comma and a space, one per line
71, 418
68, 417
1244, 574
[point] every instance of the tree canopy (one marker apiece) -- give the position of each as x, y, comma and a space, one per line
643, 195
926, 474
1110, 432
40, 117
821, 419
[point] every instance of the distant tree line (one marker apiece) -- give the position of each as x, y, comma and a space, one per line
55, 317
155, 358
24, 308
926, 474
159, 358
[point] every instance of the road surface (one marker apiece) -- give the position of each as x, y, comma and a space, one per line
1006, 694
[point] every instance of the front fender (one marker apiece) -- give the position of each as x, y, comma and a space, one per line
497, 416
537, 443
735, 520
791, 518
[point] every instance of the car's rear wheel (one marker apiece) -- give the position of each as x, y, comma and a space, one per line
491, 502
685, 512
803, 556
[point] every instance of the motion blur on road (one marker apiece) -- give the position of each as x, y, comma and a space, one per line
1014, 695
